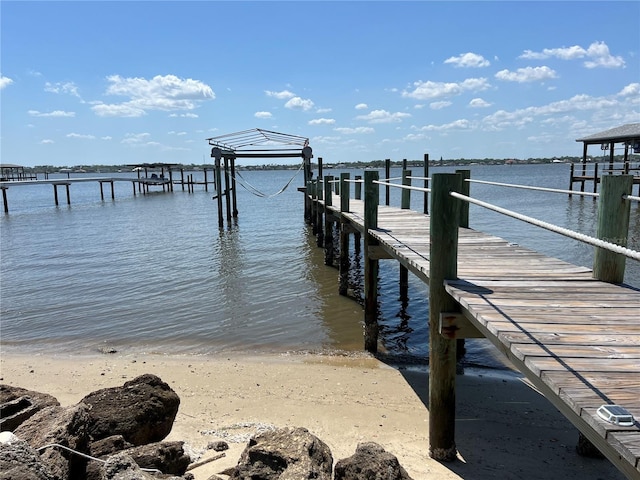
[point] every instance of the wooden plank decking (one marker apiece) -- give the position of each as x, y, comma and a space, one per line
575, 338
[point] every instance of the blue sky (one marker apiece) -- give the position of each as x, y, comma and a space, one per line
120, 82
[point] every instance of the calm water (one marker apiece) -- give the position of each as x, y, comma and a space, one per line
154, 273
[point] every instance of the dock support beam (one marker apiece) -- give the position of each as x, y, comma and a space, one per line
371, 200
445, 215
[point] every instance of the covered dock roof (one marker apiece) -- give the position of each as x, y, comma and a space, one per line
629, 133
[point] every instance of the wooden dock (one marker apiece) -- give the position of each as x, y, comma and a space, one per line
576, 339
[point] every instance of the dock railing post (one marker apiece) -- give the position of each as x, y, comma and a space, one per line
328, 222
313, 193
465, 190
613, 226
358, 187
371, 200
425, 174
344, 236
320, 210
406, 193
387, 173
405, 204
444, 219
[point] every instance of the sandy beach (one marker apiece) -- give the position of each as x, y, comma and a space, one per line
504, 429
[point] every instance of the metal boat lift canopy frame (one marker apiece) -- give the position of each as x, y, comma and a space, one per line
259, 143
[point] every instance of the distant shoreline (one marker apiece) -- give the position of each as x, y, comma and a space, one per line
85, 168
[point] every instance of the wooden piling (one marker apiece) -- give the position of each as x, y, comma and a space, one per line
613, 226
233, 188
425, 174
371, 200
313, 218
358, 187
219, 192
5, 203
345, 191
405, 205
445, 215
328, 221
227, 188
320, 211
387, 175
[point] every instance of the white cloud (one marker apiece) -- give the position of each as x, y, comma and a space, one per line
461, 124
283, 95
121, 110
324, 110
135, 138
564, 53
468, 60
597, 55
80, 135
361, 106
633, 89
183, 115
357, 130
479, 103
428, 90
46, 141
263, 115
166, 92
69, 88
382, 116
527, 74
322, 121
55, 113
439, 105
5, 82
297, 103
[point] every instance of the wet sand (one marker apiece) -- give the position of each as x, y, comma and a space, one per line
504, 428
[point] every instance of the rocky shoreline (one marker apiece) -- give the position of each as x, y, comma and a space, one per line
118, 433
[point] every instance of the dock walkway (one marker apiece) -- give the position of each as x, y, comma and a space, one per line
576, 339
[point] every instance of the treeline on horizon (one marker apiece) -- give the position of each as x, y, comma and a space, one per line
355, 165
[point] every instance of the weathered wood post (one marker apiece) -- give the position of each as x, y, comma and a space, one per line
445, 215
328, 222
613, 226
371, 200
216, 153
345, 191
5, 203
313, 218
227, 188
320, 210
387, 175
461, 349
357, 238
307, 154
426, 183
465, 189
182, 175
405, 204
233, 187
